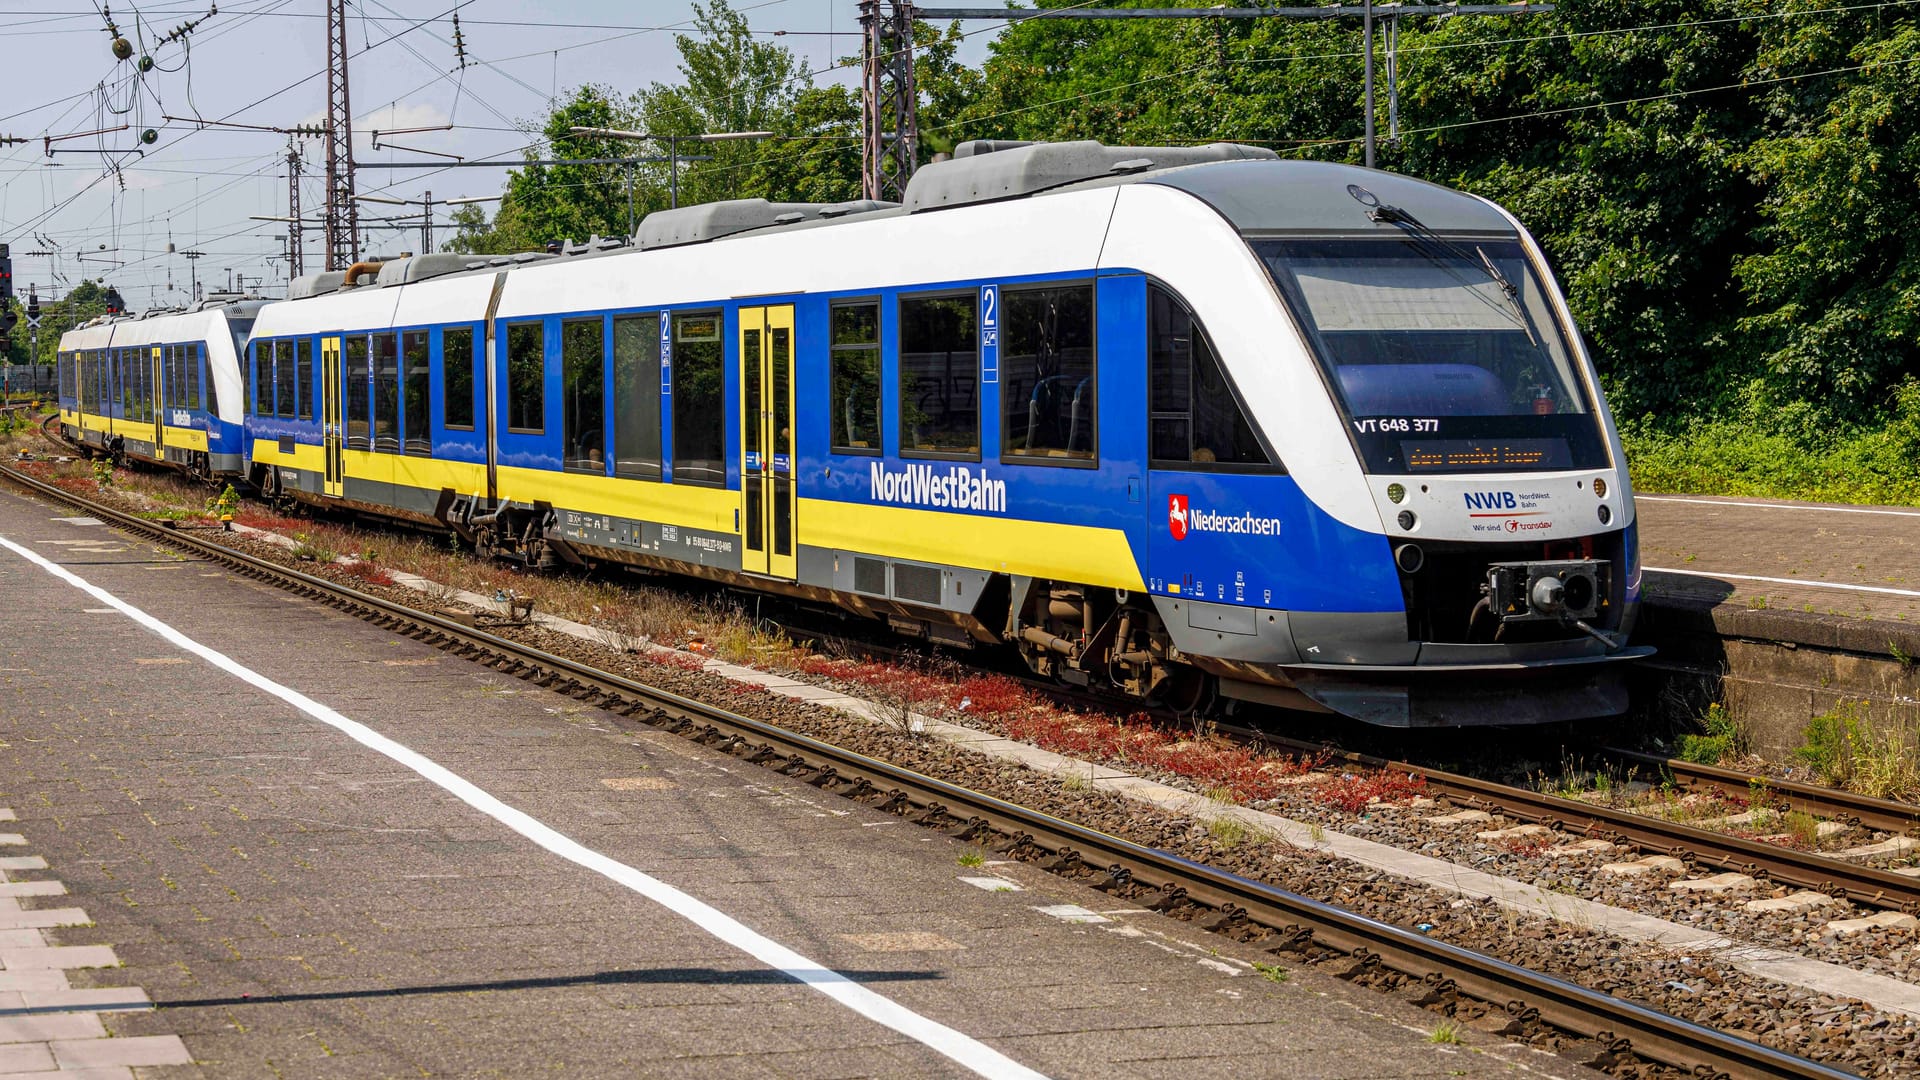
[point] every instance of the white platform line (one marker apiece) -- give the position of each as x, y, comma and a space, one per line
944, 1040
1776, 506
1787, 581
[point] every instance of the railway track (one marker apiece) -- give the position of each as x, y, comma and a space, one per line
1610, 1032
1867, 885
1884, 815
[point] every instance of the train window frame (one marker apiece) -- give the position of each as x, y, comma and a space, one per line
636, 390
875, 353
447, 395
389, 442
1273, 466
716, 464
1066, 460
416, 434
196, 353
591, 374
303, 376
900, 300
253, 385
511, 388
348, 386
285, 382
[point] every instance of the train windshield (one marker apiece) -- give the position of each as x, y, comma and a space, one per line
1444, 352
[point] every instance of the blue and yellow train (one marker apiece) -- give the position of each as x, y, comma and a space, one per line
1173, 422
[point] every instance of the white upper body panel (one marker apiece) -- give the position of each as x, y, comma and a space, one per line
1187, 244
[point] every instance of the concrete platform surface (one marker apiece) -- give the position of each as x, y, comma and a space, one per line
297, 904
1773, 555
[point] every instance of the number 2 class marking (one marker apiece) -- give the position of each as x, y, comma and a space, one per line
989, 333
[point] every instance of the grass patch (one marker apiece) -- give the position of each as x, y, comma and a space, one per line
1447, 1034
1273, 973
1845, 749
1228, 832
1721, 741
1772, 450
974, 857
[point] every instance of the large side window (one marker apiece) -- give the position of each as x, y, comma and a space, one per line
386, 393
855, 406
636, 402
283, 377
527, 377
353, 370
1194, 417
195, 369
260, 387
583, 390
939, 376
1047, 373
699, 410
418, 415
302, 374
456, 376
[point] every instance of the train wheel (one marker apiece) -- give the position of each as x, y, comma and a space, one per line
1190, 692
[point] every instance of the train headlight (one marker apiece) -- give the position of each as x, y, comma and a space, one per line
1407, 520
1606, 514
1600, 488
1396, 493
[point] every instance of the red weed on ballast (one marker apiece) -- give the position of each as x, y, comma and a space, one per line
368, 572
679, 661
1352, 791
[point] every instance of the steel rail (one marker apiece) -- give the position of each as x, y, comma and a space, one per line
1884, 815
1867, 885
1617, 1027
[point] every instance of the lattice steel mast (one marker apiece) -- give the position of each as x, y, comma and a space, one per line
296, 247
343, 217
889, 99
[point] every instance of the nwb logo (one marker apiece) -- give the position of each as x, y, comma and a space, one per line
1177, 516
1491, 500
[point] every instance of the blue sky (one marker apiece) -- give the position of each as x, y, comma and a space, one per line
260, 62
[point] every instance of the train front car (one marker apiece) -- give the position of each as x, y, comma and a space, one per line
1447, 537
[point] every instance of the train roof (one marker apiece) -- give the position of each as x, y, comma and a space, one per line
1252, 187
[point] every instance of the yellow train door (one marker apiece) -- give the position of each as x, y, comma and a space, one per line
153, 400
332, 430
767, 492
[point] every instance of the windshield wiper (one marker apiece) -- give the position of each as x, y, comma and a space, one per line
1423, 237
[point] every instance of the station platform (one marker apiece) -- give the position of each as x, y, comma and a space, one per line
1783, 611
1765, 555
302, 903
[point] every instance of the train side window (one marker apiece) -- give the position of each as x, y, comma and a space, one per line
583, 393
260, 386
855, 377
1047, 377
1194, 416
699, 408
940, 376
456, 376
302, 375
527, 378
386, 393
636, 402
417, 435
285, 394
353, 368
195, 370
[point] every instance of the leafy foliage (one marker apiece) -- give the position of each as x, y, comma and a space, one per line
1724, 187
